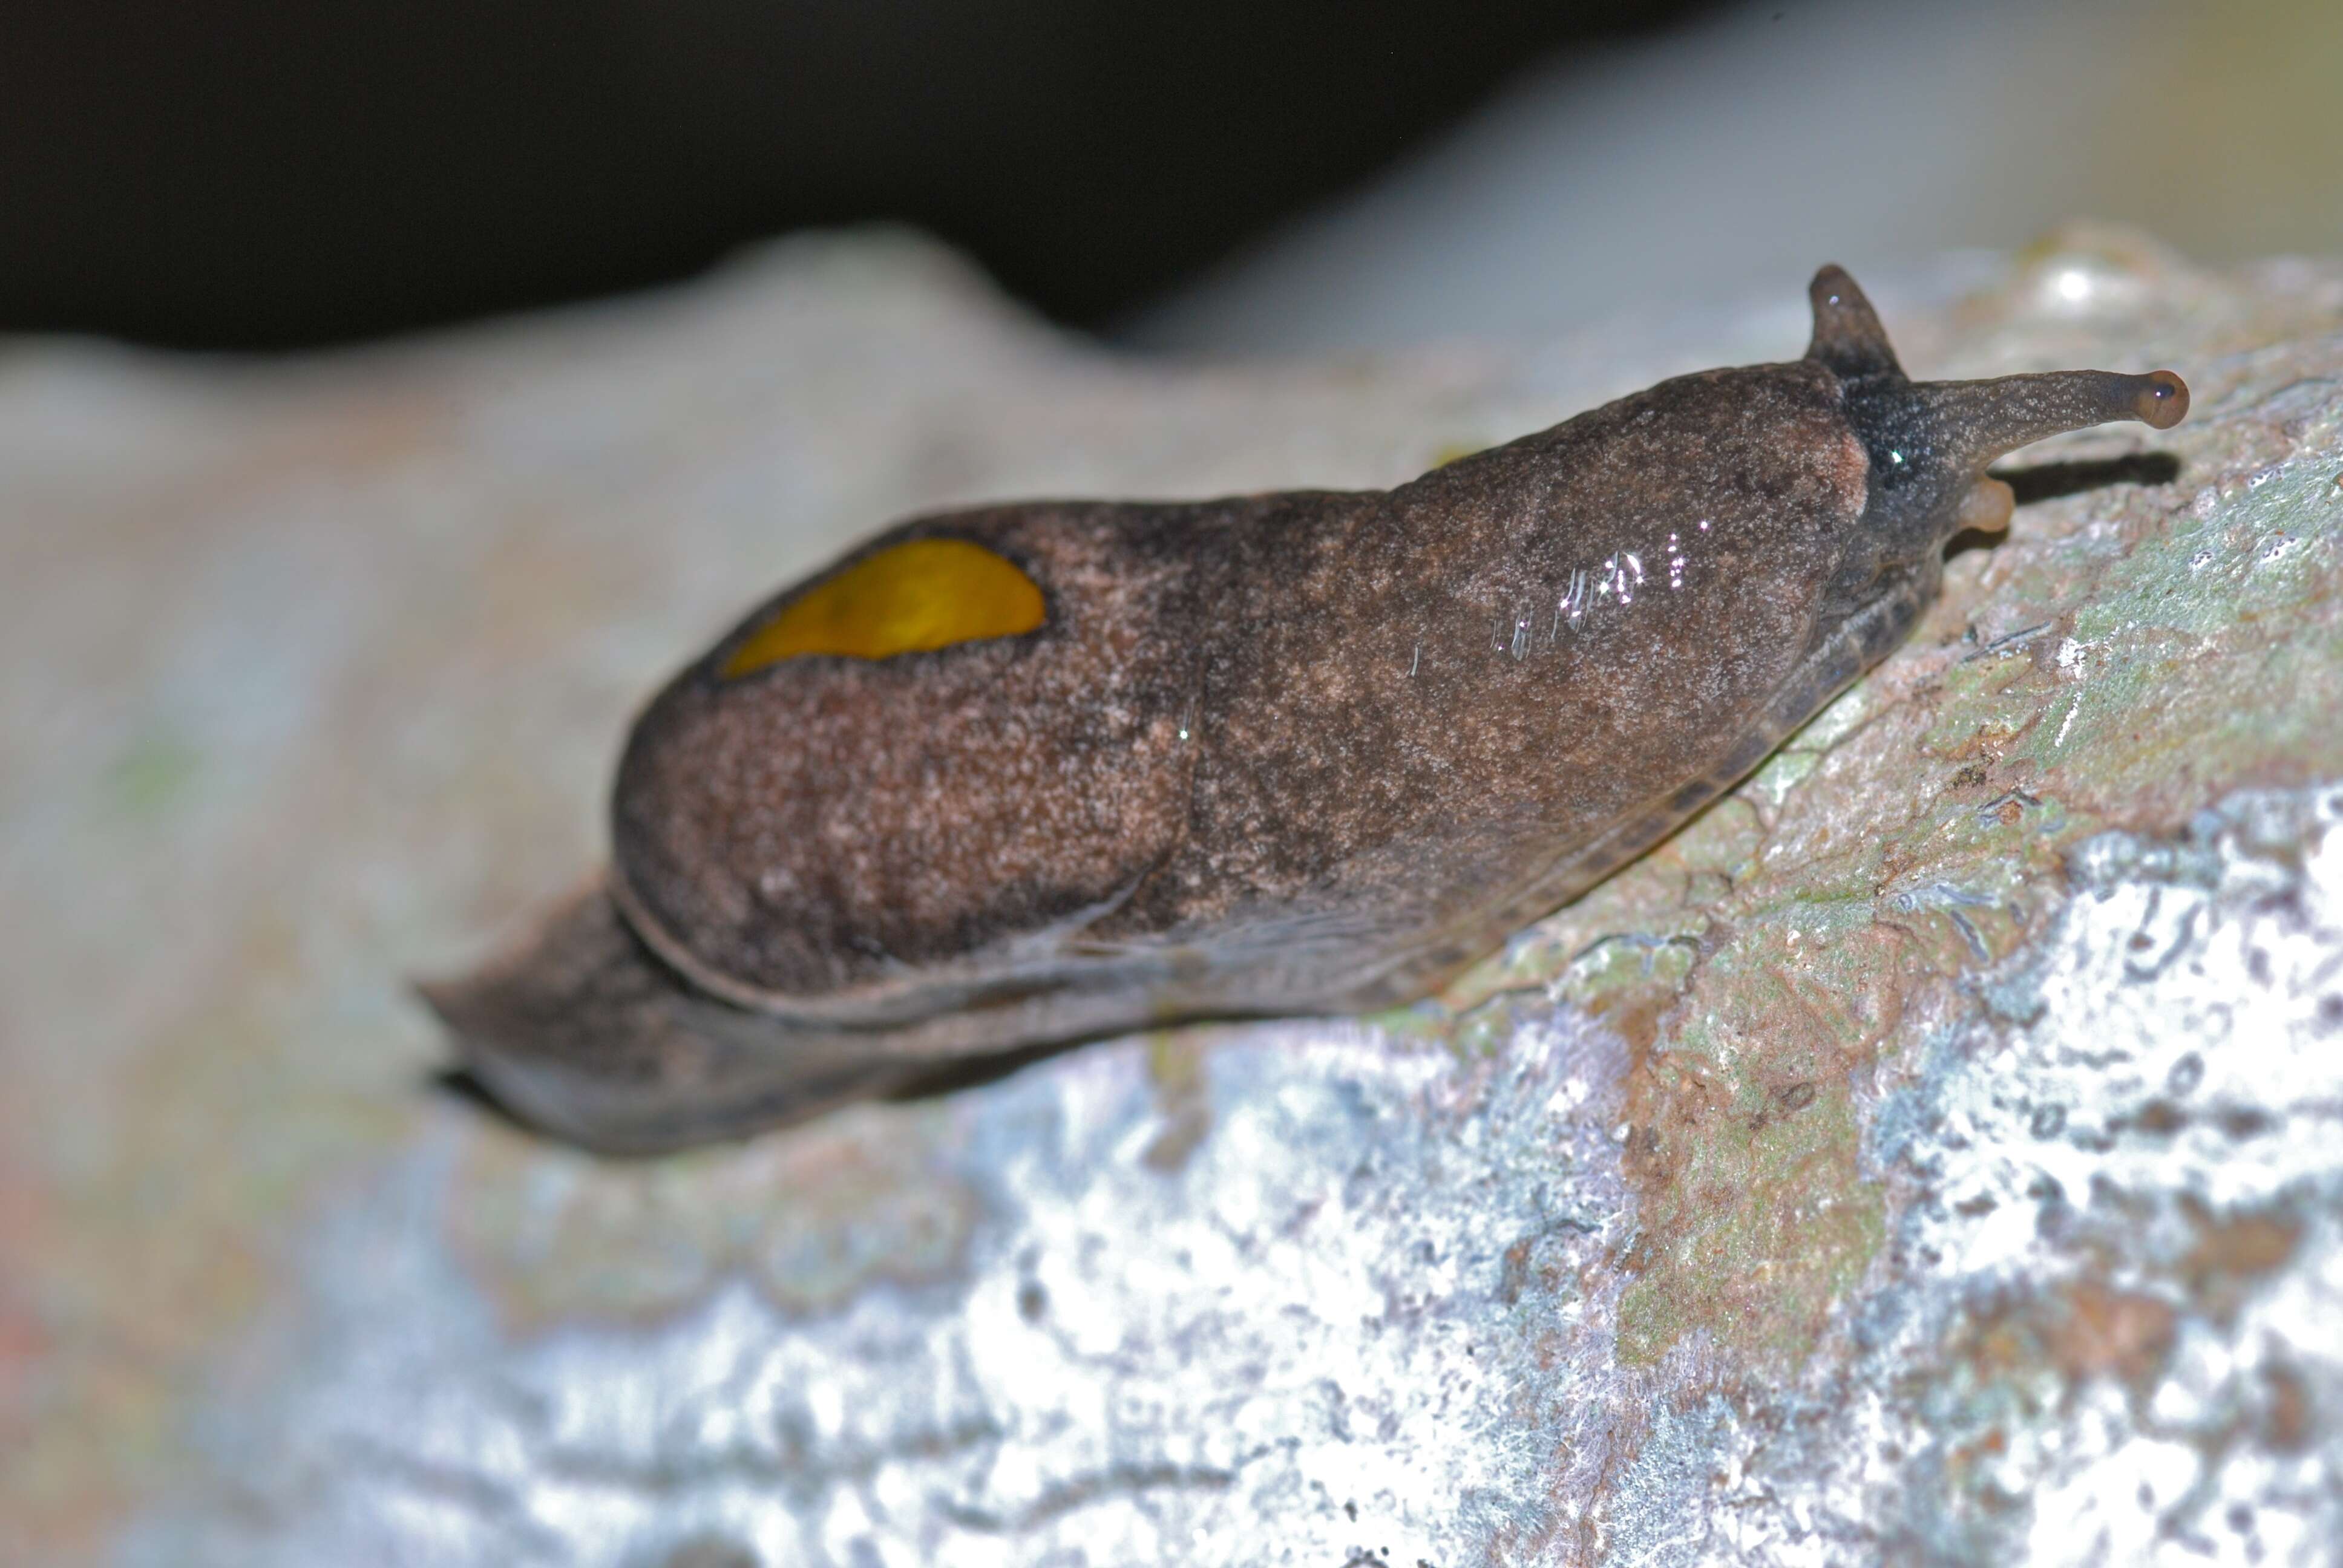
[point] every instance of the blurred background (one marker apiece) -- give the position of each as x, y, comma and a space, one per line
1214, 176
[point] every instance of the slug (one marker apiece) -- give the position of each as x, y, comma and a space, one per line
1026, 774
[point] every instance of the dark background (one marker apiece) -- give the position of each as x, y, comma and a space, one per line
267, 174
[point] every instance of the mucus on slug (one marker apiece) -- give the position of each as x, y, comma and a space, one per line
1025, 774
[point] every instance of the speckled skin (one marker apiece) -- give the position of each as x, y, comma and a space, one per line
1307, 751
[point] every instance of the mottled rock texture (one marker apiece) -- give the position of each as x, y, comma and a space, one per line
1934, 1153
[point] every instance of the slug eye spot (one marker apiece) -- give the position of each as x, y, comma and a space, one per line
913, 598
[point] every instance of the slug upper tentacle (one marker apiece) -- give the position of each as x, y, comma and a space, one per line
1031, 773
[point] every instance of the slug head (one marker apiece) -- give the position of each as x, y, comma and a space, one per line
1929, 442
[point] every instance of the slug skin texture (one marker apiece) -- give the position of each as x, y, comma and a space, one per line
1030, 773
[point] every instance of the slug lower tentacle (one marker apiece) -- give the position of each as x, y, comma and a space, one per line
1031, 773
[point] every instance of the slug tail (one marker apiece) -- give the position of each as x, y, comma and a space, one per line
579, 1029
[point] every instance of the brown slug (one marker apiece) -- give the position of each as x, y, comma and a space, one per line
1030, 773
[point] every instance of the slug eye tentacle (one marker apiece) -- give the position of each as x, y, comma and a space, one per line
1929, 441
1962, 426
1848, 339
1978, 421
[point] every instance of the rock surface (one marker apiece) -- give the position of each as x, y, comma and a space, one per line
1934, 1153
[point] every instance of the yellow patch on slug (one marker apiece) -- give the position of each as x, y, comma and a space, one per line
913, 598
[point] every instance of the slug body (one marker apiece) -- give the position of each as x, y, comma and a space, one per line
1025, 774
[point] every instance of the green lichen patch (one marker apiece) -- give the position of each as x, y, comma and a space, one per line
1743, 1138
152, 776
1765, 1222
